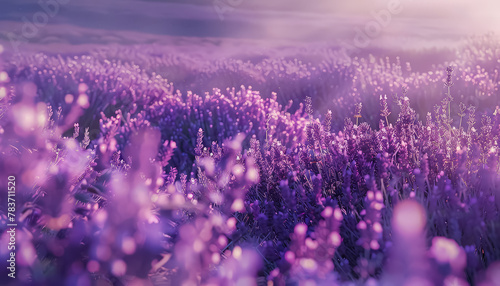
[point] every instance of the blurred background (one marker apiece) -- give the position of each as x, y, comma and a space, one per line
75, 23
295, 48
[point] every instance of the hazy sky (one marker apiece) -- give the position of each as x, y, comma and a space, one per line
417, 23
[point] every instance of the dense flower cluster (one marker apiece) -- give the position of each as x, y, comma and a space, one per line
124, 180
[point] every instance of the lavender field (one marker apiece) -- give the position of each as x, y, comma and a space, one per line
222, 148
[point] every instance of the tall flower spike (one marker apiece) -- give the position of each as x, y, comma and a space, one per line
385, 108
199, 143
461, 113
449, 73
472, 117
328, 121
448, 83
309, 109
462, 109
357, 111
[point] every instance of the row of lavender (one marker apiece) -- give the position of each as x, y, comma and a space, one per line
124, 180
332, 81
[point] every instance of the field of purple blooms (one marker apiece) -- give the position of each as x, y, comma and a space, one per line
134, 167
